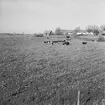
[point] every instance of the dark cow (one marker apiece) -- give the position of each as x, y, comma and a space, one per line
67, 36
66, 43
46, 41
84, 42
58, 41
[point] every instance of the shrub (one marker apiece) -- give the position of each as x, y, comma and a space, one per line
58, 31
39, 35
100, 38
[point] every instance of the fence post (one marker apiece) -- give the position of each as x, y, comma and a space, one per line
78, 98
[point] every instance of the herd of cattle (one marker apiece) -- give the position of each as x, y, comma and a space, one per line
64, 42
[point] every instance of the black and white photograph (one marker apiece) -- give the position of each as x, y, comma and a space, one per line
52, 52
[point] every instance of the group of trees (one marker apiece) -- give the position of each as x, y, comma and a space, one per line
90, 28
58, 31
95, 29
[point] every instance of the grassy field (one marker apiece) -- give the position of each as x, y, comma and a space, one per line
35, 73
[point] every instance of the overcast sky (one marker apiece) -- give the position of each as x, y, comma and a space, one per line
32, 16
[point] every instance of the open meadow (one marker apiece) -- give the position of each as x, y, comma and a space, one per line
36, 73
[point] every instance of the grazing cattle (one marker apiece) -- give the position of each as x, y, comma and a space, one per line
46, 41
58, 41
66, 43
84, 42
68, 39
67, 36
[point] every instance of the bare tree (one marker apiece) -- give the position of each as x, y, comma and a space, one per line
93, 28
89, 28
96, 30
76, 30
102, 27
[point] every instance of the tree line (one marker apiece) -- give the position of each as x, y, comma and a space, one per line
90, 28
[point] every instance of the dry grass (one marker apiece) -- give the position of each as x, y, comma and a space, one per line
47, 75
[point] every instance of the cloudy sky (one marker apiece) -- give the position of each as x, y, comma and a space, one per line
30, 16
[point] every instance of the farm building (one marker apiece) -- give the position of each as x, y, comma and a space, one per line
66, 32
84, 32
63, 31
